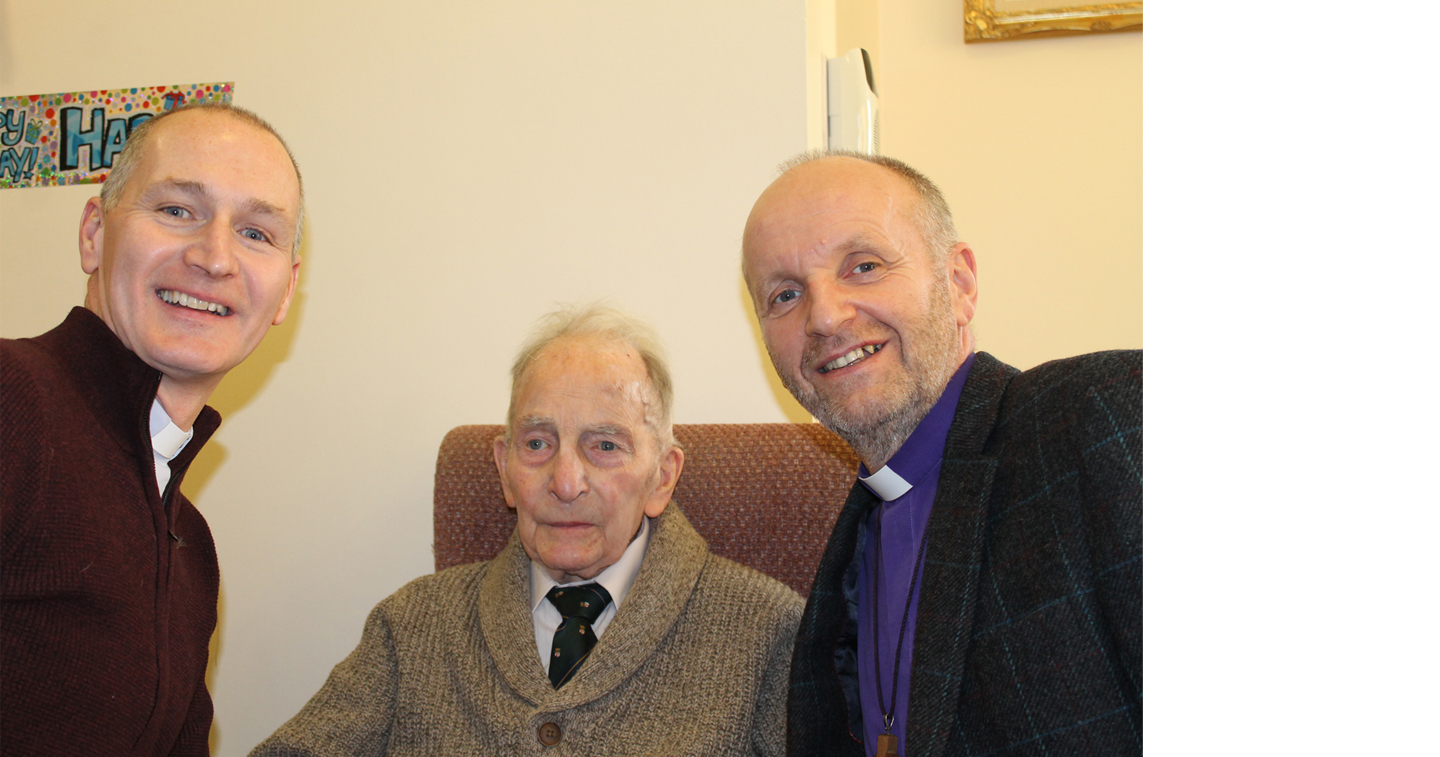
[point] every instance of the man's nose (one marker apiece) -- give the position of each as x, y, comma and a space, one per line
568, 481
213, 250
830, 308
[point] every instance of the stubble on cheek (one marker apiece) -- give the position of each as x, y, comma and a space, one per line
879, 422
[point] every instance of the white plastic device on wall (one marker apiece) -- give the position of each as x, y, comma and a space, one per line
852, 105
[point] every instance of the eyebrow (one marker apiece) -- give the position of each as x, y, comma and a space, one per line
864, 239
535, 421
201, 192
261, 207
193, 188
608, 430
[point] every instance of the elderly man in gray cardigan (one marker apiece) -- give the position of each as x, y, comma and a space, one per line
605, 626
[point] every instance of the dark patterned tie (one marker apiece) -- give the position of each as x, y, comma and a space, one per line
580, 606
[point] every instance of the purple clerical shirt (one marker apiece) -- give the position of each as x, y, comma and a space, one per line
906, 486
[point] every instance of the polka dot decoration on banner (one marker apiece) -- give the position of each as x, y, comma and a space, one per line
35, 129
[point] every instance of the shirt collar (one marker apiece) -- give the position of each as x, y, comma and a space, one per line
165, 437
617, 579
923, 448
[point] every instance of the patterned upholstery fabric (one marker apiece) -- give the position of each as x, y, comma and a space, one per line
763, 494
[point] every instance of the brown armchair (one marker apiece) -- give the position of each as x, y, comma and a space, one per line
762, 494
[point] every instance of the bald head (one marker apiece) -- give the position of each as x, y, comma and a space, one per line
822, 172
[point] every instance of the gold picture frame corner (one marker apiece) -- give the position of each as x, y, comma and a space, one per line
984, 24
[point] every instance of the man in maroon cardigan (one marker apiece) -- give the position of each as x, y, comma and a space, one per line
109, 576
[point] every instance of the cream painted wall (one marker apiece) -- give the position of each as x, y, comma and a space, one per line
819, 46
1037, 147
468, 165
857, 24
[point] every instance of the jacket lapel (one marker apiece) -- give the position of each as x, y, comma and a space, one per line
821, 710
953, 557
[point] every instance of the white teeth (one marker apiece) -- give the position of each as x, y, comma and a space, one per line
851, 357
185, 300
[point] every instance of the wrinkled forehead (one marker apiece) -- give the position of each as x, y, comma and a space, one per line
816, 201
598, 375
195, 144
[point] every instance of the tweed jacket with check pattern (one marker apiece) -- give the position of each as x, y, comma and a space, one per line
1028, 633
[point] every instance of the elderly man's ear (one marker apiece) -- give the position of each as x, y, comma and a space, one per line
500, 460
964, 286
671, 463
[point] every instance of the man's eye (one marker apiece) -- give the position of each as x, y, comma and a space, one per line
608, 446
255, 235
176, 212
535, 444
786, 296
864, 268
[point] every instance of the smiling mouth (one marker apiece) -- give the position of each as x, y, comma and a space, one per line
180, 299
852, 357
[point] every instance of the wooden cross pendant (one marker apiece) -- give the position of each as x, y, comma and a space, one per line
887, 744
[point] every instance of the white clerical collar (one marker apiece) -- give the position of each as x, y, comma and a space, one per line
887, 484
617, 579
165, 437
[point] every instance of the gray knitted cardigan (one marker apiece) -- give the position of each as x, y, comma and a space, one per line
696, 662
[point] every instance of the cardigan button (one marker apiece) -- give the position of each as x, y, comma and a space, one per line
549, 734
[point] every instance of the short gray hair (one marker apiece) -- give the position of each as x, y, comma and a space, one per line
608, 324
138, 141
932, 217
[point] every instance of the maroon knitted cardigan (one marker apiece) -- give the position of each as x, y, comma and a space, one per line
109, 589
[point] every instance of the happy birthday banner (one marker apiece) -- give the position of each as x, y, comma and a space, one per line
73, 137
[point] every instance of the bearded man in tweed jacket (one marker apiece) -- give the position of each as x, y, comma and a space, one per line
693, 661
980, 593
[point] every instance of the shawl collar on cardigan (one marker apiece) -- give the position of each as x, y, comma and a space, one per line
673, 562
947, 595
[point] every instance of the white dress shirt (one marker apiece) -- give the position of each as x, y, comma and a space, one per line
166, 439
616, 579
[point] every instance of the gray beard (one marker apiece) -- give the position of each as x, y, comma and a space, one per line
878, 440
932, 354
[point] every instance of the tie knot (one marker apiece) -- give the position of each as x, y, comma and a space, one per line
585, 601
